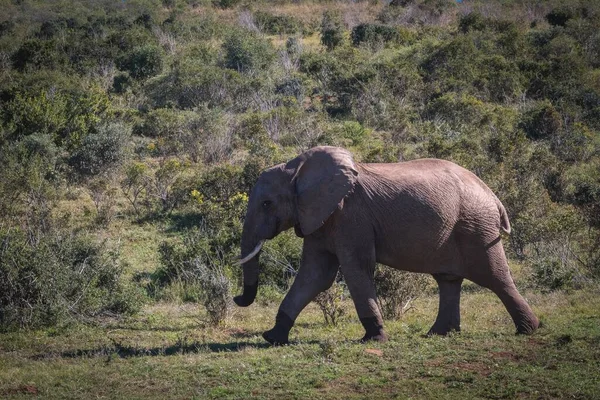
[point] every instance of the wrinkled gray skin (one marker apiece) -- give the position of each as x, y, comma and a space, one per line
429, 216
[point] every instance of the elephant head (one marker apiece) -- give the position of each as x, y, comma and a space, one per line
303, 194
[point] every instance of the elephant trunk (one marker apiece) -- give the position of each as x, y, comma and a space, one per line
249, 260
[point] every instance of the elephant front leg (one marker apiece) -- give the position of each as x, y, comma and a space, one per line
317, 272
448, 318
359, 277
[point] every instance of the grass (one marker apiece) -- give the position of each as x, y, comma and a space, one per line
169, 352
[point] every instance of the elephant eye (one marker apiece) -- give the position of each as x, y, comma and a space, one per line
267, 203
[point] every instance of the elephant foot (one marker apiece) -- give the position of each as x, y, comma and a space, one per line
442, 331
278, 336
381, 338
528, 326
275, 338
374, 330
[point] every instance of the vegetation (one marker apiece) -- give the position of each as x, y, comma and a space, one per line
167, 351
131, 134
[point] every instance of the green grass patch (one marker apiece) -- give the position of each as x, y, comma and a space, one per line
170, 351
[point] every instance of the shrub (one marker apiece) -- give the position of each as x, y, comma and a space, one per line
374, 34
102, 191
102, 151
31, 181
216, 290
164, 182
457, 110
246, 52
550, 273
121, 82
332, 30
226, 3
396, 290
277, 24
541, 122
44, 113
197, 265
135, 183
472, 21
560, 16
280, 259
36, 53
59, 277
142, 62
6, 27
331, 303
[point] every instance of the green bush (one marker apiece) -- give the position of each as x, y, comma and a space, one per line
472, 21
101, 151
44, 113
142, 62
247, 52
31, 181
332, 30
216, 291
396, 290
54, 278
374, 34
560, 16
277, 24
36, 53
67, 116
280, 260
541, 122
331, 302
226, 3
551, 273
458, 110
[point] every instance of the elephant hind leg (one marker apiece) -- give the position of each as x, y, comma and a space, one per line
448, 318
525, 320
496, 276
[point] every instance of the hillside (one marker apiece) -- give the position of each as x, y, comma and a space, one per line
132, 132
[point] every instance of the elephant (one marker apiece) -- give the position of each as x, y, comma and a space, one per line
427, 216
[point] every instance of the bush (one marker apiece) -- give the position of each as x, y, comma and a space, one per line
216, 291
396, 290
277, 24
142, 62
102, 151
54, 278
36, 53
541, 122
67, 116
331, 302
550, 273
43, 113
374, 34
332, 30
560, 16
246, 52
226, 3
280, 259
31, 181
472, 21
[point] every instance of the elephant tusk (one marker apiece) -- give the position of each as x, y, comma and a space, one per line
252, 253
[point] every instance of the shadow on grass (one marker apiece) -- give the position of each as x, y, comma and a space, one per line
124, 351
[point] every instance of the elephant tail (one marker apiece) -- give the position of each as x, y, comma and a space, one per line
504, 222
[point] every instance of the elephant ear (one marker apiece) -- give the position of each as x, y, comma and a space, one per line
324, 176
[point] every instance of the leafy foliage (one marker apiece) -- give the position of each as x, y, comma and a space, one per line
53, 278
396, 290
332, 30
